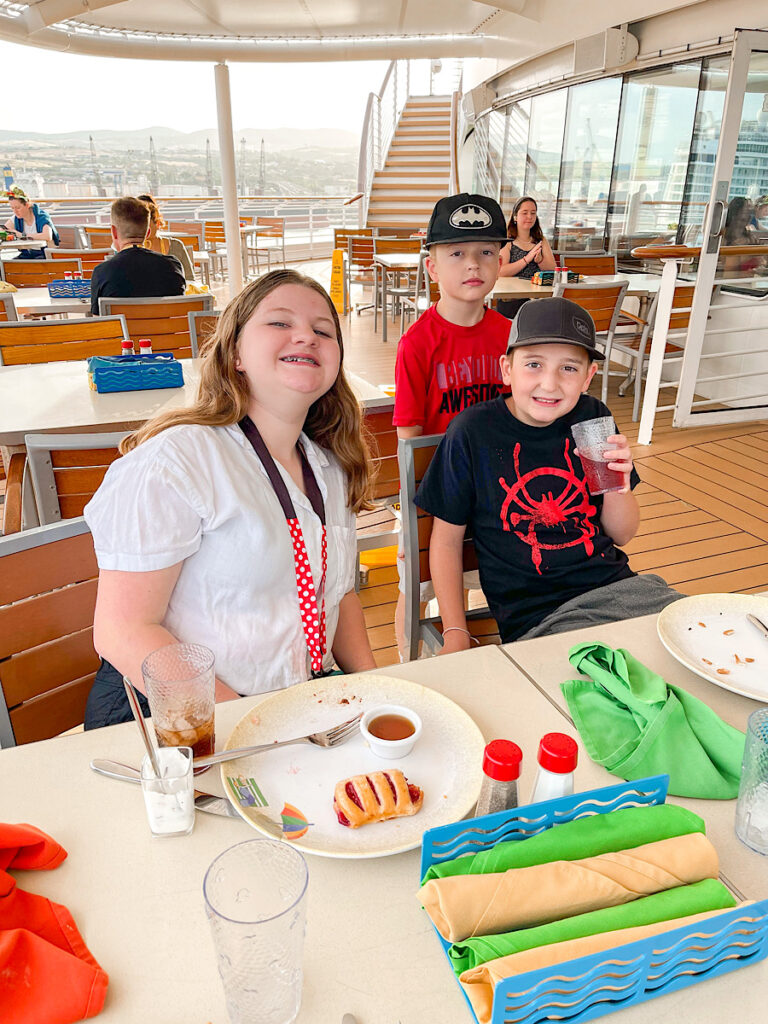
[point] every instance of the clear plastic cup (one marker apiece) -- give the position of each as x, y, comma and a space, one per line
180, 682
752, 806
591, 437
256, 901
169, 797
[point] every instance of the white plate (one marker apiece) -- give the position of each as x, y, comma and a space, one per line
710, 635
298, 781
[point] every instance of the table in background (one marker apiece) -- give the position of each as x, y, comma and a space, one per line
55, 398
370, 949
391, 263
37, 302
25, 243
641, 286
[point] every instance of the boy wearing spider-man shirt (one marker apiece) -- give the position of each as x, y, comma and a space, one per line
548, 552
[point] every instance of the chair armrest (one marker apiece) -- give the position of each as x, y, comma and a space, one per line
635, 319
13, 490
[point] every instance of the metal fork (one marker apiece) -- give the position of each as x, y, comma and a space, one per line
332, 737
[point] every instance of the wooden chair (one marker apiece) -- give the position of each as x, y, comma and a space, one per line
49, 341
215, 241
414, 455
360, 266
426, 293
71, 236
266, 227
188, 227
382, 436
202, 324
587, 263
165, 321
14, 488
66, 470
402, 282
7, 308
603, 303
98, 238
37, 273
89, 258
342, 235
636, 346
47, 662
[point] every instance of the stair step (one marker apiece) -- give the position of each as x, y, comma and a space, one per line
405, 186
427, 120
410, 130
436, 162
406, 172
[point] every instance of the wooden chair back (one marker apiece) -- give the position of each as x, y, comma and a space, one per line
602, 302
214, 234
360, 255
48, 582
342, 235
89, 258
270, 227
165, 321
202, 324
98, 238
380, 527
386, 246
414, 457
66, 470
7, 308
70, 237
587, 263
37, 273
14, 486
51, 341
188, 227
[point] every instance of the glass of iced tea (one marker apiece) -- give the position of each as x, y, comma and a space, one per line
180, 682
591, 437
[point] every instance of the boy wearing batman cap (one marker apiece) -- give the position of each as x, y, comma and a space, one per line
448, 359
548, 551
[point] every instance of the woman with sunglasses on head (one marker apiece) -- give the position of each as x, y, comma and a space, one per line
29, 221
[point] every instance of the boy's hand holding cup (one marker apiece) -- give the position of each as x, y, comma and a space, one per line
604, 454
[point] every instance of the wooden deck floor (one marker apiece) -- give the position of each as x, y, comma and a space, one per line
704, 498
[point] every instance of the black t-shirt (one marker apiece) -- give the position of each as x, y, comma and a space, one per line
136, 273
520, 491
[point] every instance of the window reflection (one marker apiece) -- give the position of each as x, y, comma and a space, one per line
514, 160
545, 146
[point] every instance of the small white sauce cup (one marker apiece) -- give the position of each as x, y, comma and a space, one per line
390, 749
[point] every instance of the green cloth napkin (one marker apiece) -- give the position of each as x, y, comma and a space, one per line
585, 837
636, 724
663, 906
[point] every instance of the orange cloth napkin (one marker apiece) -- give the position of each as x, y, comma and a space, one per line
47, 973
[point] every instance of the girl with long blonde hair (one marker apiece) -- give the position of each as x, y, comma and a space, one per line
230, 522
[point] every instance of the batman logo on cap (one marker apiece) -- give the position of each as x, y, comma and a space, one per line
472, 217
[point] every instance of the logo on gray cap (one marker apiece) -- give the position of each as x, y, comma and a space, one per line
470, 217
582, 328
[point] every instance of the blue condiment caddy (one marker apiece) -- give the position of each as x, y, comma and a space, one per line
591, 986
69, 289
134, 373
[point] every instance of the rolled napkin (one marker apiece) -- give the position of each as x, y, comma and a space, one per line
636, 724
586, 837
469, 905
479, 983
683, 901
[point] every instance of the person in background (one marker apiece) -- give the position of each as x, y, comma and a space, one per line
29, 221
165, 246
527, 251
204, 528
134, 272
738, 232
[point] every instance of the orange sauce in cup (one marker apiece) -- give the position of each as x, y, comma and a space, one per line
391, 727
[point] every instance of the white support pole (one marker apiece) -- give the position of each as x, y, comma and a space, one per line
228, 179
658, 348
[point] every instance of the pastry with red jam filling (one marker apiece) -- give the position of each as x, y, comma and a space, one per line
377, 796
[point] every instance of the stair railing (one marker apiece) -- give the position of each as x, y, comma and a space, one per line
382, 113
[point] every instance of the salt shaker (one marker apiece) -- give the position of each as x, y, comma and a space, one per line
501, 770
557, 757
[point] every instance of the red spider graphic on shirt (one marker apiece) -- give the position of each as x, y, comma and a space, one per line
572, 503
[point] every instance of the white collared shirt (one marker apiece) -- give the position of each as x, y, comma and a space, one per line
200, 495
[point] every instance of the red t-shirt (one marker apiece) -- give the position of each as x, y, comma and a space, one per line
443, 368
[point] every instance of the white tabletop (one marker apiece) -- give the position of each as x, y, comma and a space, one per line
31, 301
24, 243
55, 397
369, 950
518, 287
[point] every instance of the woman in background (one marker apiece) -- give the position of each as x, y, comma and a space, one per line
165, 246
29, 221
527, 251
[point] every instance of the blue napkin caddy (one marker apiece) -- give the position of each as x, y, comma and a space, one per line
69, 289
134, 373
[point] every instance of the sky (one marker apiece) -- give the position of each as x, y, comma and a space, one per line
180, 95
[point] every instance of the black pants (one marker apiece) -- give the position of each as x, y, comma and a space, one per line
510, 307
108, 702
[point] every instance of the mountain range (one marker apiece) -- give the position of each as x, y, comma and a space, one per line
274, 138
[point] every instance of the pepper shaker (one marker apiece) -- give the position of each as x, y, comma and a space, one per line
501, 770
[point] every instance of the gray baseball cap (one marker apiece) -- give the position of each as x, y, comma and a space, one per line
554, 322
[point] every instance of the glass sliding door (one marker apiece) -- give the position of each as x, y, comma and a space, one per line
515, 152
585, 174
545, 145
655, 130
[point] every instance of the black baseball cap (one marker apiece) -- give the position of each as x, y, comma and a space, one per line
466, 218
554, 322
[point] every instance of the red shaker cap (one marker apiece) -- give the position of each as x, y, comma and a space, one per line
558, 753
501, 760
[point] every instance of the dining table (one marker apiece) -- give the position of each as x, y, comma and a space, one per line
394, 263
38, 302
55, 398
370, 950
22, 243
639, 286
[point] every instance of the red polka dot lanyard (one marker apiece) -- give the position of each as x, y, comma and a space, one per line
312, 617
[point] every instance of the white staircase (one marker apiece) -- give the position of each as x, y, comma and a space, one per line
417, 168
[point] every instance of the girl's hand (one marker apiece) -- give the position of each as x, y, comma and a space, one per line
619, 458
535, 254
539, 251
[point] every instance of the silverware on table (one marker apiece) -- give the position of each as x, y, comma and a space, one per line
759, 626
333, 737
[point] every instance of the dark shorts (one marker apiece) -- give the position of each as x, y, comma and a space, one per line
625, 599
107, 702
510, 307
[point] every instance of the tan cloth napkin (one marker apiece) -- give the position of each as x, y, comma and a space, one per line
479, 982
465, 905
